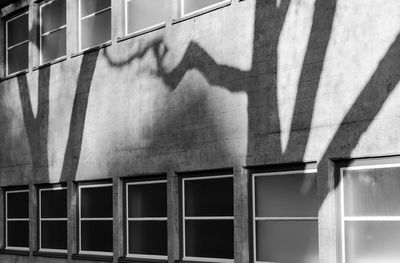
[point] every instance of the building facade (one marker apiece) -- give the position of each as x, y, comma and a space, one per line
212, 131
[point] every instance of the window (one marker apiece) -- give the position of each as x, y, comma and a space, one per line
95, 22
146, 219
52, 30
144, 14
285, 217
208, 218
17, 220
189, 7
370, 213
17, 43
53, 219
95, 219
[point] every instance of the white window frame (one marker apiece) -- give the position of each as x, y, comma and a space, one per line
201, 10
48, 32
270, 218
213, 218
14, 219
49, 219
88, 252
88, 16
344, 218
128, 219
146, 29
15, 45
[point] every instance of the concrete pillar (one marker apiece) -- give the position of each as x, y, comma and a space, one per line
118, 223
241, 214
33, 220
72, 236
173, 216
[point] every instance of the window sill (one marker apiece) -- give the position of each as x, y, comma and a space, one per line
91, 49
139, 260
15, 252
92, 257
16, 74
201, 11
49, 63
142, 32
50, 254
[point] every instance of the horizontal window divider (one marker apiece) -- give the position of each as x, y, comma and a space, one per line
53, 219
372, 166
201, 11
53, 30
146, 256
95, 185
96, 13
222, 260
97, 219
303, 218
16, 45
142, 31
17, 219
52, 251
147, 218
371, 218
147, 182
53, 188
93, 256
207, 177
208, 218
17, 191
307, 171
99, 253
17, 248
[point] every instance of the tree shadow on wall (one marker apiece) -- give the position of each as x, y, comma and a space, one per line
260, 84
37, 128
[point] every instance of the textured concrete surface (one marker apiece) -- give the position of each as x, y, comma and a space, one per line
255, 83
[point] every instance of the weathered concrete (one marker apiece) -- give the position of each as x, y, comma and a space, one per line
255, 83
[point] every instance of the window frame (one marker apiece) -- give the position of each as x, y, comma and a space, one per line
26, 12
80, 18
140, 31
14, 219
270, 218
41, 34
146, 219
211, 218
205, 9
80, 219
49, 219
343, 218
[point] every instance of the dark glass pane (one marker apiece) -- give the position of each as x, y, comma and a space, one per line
54, 203
145, 13
18, 233
286, 195
96, 202
53, 15
148, 237
210, 197
97, 236
18, 205
372, 241
96, 30
17, 30
54, 234
54, 45
287, 241
92, 6
193, 5
372, 192
18, 58
147, 200
209, 238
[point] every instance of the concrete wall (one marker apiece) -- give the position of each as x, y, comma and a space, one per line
255, 83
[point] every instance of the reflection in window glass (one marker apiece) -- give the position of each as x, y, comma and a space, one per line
17, 43
142, 14
189, 6
53, 30
17, 219
208, 218
95, 23
285, 217
146, 221
370, 213
96, 219
53, 219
